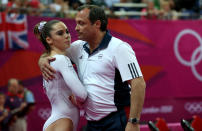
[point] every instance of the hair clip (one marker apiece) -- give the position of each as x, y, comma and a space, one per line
41, 25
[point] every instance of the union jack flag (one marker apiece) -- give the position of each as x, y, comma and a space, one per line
13, 31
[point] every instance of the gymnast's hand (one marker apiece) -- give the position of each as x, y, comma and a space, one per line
46, 69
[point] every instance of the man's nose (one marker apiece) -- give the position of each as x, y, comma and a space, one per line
67, 35
77, 28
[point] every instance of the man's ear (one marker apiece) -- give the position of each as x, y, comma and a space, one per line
49, 40
98, 24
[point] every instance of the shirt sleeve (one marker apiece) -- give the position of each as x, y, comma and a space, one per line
29, 97
126, 62
74, 50
71, 79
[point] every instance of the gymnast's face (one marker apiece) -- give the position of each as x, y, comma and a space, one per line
60, 37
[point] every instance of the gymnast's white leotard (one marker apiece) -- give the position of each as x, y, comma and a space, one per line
60, 88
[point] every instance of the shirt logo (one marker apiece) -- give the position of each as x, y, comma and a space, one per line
70, 65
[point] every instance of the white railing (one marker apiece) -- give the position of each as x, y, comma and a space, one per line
130, 5
121, 13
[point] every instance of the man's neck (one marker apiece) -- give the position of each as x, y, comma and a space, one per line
94, 43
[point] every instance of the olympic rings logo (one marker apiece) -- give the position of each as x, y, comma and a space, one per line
194, 61
44, 113
194, 107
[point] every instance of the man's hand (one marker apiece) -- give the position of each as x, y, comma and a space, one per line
46, 69
132, 127
75, 102
23, 105
5, 113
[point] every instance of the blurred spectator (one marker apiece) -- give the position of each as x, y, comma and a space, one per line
166, 13
188, 9
152, 12
17, 6
144, 1
3, 2
3, 114
35, 7
46, 2
59, 7
74, 4
33, 4
15, 104
157, 4
26, 96
171, 2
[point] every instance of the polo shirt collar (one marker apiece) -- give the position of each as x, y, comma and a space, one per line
104, 43
11, 94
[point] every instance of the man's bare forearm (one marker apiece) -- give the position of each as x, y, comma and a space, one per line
137, 97
44, 55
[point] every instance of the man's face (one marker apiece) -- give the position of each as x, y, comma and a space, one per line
2, 99
13, 88
84, 27
20, 89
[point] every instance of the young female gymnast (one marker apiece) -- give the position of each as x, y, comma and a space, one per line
56, 38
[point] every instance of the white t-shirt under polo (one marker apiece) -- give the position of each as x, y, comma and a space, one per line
104, 73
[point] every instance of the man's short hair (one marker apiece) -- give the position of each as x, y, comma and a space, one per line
96, 13
10, 81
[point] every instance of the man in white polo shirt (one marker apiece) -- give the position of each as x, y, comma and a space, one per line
109, 70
